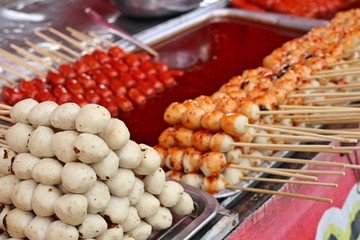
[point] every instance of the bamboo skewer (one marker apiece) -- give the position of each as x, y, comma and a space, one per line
274, 180
319, 116
32, 57
22, 63
334, 100
60, 45
334, 75
310, 107
313, 172
316, 94
308, 111
292, 147
4, 106
13, 72
69, 40
316, 130
291, 138
294, 160
344, 62
59, 57
279, 129
341, 86
285, 194
101, 39
7, 81
274, 172
6, 119
348, 69
83, 37
329, 121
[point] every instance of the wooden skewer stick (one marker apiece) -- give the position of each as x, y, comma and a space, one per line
5, 106
348, 69
301, 107
4, 126
291, 138
7, 81
101, 39
22, 63
294, 160
83, 37
334, 101
334, 75
6, 119
339, 86
344, 62
296, 132
6, 111
274, 180
316, 94
313, 172
4, 145
69, 40
316, 130
57, 56
13, 72
308, 111
354, 105
292, 147
274, 172
318, 116
60, 45
285, 194
32, 57
329, 121
3, 141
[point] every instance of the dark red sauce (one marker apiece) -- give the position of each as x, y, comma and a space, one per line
210, 55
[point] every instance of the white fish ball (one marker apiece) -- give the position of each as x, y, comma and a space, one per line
16, 221
23, 164
22, 194
171, 194
17, 137
129, 155
150, 160
114, 233
92, 118
59, 230
40, 142
7, 184
93, 226
98, 197
122, 183
36, 229
64, 116
62, 146
117, 210
127, 237
137, 192
147, 206
90, 148
107, 168
20, 111
4, 209
161, 220
154, 182
184, 206
43, 199
47, 171
116, 134
232, 175
71, 208
141, 232
192, 179
40, 114
78, 177
132, 221
6, 159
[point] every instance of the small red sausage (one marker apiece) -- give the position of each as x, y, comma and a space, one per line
124, 103
137, 97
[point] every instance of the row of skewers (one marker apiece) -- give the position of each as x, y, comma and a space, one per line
92, 71
304, 83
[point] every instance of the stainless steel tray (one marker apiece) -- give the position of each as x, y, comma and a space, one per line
188, 21
206, 208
